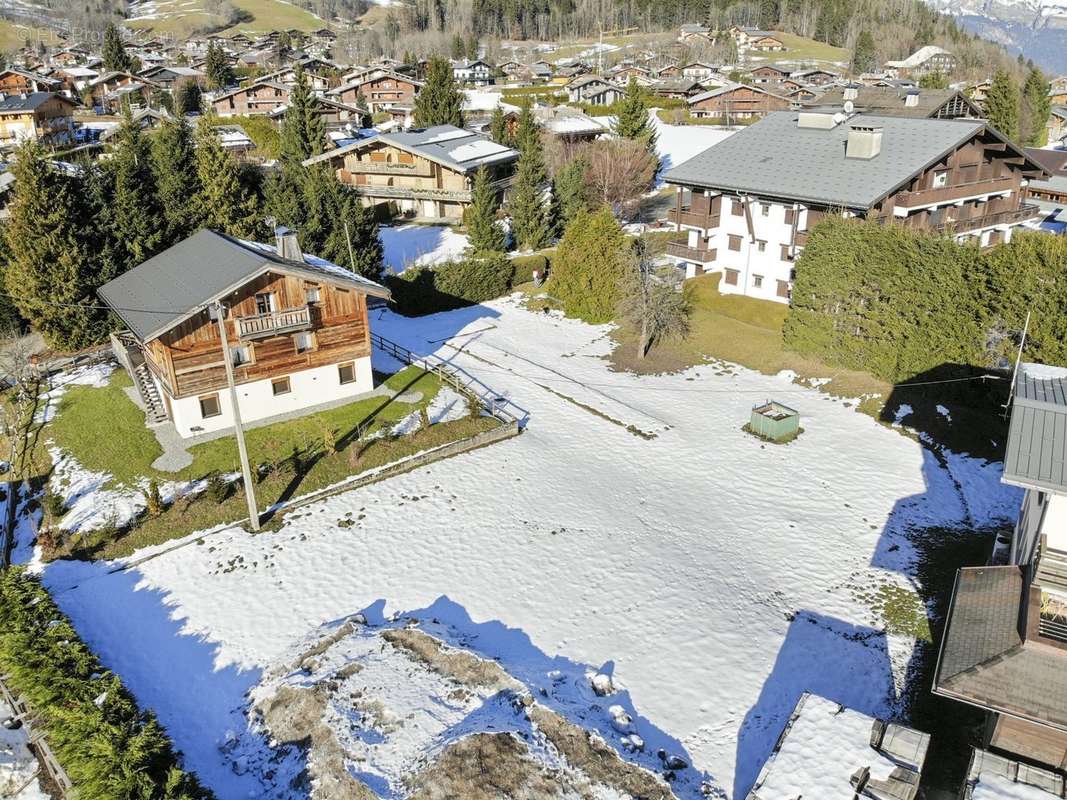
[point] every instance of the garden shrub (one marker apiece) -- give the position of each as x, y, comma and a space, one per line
523, 268
110, 749
587, 266
453, 284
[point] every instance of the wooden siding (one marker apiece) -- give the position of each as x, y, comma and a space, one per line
188, 358
1030, 740
744, 101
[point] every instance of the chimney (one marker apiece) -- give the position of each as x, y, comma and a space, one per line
864, 142
851, 92
911, 99
819, 120
287, 243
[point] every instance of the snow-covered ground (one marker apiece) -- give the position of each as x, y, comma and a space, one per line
633, 530
420, 244
18, 766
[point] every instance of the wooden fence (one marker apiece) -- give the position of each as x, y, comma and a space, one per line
36, 739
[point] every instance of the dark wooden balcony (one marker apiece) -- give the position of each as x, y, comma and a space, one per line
959, 191
679, 248
696, 219
1014, 217
274, 323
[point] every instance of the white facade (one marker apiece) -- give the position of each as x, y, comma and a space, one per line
1042, 514
307, 389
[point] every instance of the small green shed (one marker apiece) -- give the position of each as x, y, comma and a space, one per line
774, 421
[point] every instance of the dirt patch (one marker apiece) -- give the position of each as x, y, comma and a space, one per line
488, 766
465, 668
296, 715
306, 660
594, 757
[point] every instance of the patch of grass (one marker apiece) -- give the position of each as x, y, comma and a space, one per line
260, 130
902, 611
703, 294
802, 49
182, 18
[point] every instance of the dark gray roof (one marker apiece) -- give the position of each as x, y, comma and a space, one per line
1036, 454
890, 101
776, 158
15, 103
167, 289
456, 148
984, 659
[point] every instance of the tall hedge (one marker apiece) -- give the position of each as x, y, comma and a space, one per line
110, 749
453, 284
587, 266
886, 300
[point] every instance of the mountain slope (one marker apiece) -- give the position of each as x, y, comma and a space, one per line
1035, 28
184, 17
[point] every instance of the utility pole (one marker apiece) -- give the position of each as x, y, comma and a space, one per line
351, 257
253, 511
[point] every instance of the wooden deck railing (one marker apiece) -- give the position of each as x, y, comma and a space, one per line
944, 194
681, 249
274, 322
697, 219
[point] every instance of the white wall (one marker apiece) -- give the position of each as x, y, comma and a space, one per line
1041, 513
309, 388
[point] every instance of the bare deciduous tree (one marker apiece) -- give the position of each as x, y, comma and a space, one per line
21, 382
650, 302
620, 171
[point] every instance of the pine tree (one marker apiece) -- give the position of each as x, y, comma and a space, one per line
439, 101
632, 121
864, 54
187, 98
1036, 109
136, 213
588, 266
367, 250
50, 272
483, 234
225, 204
116, 59
498, 128
570, 193
527, 132
458, 47
217, 67
531, 224
176, 180
303, 133
1002, 105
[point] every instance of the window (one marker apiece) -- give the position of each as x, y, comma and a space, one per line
735, 242
731, 276
264, 303
757, 281
785, 252
736, 208
783, 289
242, 354
280, 386
312, 293
940, 179
304, 341
347, 372
765, 209
789, 213
761, 245
209, 406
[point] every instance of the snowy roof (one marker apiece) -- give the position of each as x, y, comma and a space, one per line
170, 287
993, 777
456, 148
564, 121
777, 158
919, 57
825, 744
1036, 454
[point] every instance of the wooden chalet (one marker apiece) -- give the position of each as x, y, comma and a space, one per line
297, 328
736, 101
17, 81
262, 97
380, 89
42, 116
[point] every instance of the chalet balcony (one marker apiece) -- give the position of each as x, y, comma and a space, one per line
679, 248
1014, 217
695, 219
274, 323
960, 191
421, 169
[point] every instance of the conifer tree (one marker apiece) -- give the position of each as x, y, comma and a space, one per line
588, 266
136, 216
1002, 105
186, 98
50, 272
116, 58
498, 128
439, 101
303, 134
176, 179
864, 54
530, 222
224, 202
217, 67
1036, 109
483, 234
570, 193
632, 121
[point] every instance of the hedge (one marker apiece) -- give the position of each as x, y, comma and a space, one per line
110, 749
523, 268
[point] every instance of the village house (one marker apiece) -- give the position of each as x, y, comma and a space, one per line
109, 89
768, 74
621, 74
317, 73
694, 34
1057, 124
474, 72
736, 101
698, 71
74, 79
744, 207
17, 81
45, 117
381, 89
262, 97
333, 113
753, 39
594, 90
1004, 648
145, 118
814, 77
927, 60
426, 174
892, 102
677, 88
1057, 91
296, 327
170, 76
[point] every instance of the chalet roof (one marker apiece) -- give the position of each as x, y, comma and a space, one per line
456, 148
360, 77
585, 80
730, 87
21, 103
168, 288
1036, 454
984, 659
676, 85
32, 76
891, 101
776, 158
919, 57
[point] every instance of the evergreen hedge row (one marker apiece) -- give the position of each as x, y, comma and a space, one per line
110, 749
899, 303
452, 284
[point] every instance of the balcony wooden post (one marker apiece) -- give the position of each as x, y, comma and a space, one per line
678, 211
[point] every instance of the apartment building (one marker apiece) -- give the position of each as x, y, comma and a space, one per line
744, 207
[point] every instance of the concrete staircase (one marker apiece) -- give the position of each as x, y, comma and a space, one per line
155, 409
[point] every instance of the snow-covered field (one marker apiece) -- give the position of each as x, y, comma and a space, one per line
632, 530
420, 244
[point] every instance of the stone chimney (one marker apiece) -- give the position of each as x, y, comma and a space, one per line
864, 142
287, 243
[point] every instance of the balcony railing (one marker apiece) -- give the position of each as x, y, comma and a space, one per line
697, 219
700, 255
958, 191
274, 323
1020, 214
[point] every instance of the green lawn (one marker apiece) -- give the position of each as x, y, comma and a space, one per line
801, 49
105, 432
182, 18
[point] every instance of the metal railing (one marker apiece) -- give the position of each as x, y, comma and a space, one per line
459, 379
36, 740
273, 322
